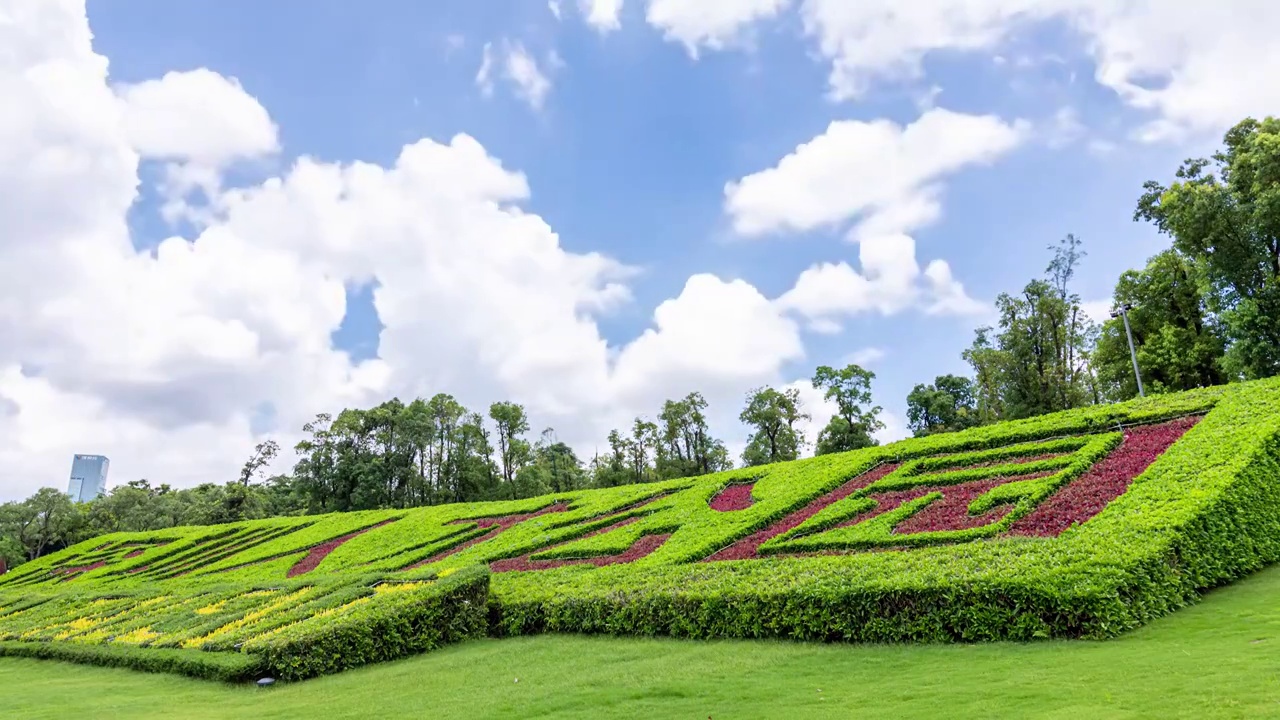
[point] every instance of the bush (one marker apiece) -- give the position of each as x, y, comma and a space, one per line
227, 667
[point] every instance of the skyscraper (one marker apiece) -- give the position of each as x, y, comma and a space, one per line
88, 477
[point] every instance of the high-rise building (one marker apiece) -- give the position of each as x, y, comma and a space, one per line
88, 477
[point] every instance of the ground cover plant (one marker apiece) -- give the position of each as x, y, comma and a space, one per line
1078, 524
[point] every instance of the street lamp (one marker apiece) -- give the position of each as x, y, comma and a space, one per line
1123, 312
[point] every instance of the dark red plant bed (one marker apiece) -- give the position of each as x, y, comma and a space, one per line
733, 497
749, 546
1020, 460
495, 524
1078, 501
80, 568
1104, 482
134, 553
643, 546
950, 512
317, 554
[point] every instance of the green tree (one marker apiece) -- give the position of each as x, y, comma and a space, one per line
856, 418
42, 523
263, 453
1224, 214
1037, 360
773, 416
1180, 346
514, 451
947, 405
686, 447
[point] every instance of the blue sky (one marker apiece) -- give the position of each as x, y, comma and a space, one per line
630, 153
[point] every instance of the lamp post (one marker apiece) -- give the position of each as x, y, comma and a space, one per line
1123, 312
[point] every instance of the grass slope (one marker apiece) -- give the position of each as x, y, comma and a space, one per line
1214, 660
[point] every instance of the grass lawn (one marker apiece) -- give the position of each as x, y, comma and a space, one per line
1218, 659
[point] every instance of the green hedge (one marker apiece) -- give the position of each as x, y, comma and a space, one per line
1205, 512
398, 625
224, 666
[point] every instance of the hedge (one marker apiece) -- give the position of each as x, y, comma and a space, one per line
223, 666
1078, 524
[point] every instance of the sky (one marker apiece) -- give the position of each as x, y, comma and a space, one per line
220, 218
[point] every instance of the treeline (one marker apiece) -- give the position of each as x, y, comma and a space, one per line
1203, 312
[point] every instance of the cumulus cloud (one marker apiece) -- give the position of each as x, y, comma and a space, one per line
164, 360
885, 179
1195, 66
714, 24
877, 170
603, 15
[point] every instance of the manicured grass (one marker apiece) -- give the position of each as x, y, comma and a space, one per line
1220, 658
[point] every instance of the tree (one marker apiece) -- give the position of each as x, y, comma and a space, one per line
855, 419
773, 416
947, 405
686, 447
1223, 213
263, 453
1180, 346
1037, 361
44, 522
513, 449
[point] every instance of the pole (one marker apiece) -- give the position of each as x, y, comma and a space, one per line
1133, 354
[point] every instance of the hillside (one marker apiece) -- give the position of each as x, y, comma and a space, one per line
1079, 524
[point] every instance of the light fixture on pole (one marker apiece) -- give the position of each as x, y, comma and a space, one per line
1123, 312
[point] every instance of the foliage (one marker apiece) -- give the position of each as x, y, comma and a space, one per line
1037, 361
1224, 214
1179, 343
772, 415
947, 405
856, 418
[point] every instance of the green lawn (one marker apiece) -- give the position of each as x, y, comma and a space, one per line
1218, 659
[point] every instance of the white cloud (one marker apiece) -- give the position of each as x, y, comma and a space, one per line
199, 123
484, 76
1098, 311
888, 180
602, 14
519, 68
714, 24
197, 115
1212, 62
864, 357
161, 361
554, 7
877, 169
531, 84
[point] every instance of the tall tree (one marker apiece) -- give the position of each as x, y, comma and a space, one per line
773, 416
1179, 344
686, 447
1224, 214
263, 453
513, 449
945, 406
856, 418
1037, 361
42, 523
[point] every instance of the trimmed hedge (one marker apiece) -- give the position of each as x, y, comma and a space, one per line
825, 549
223, 666
405, 622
